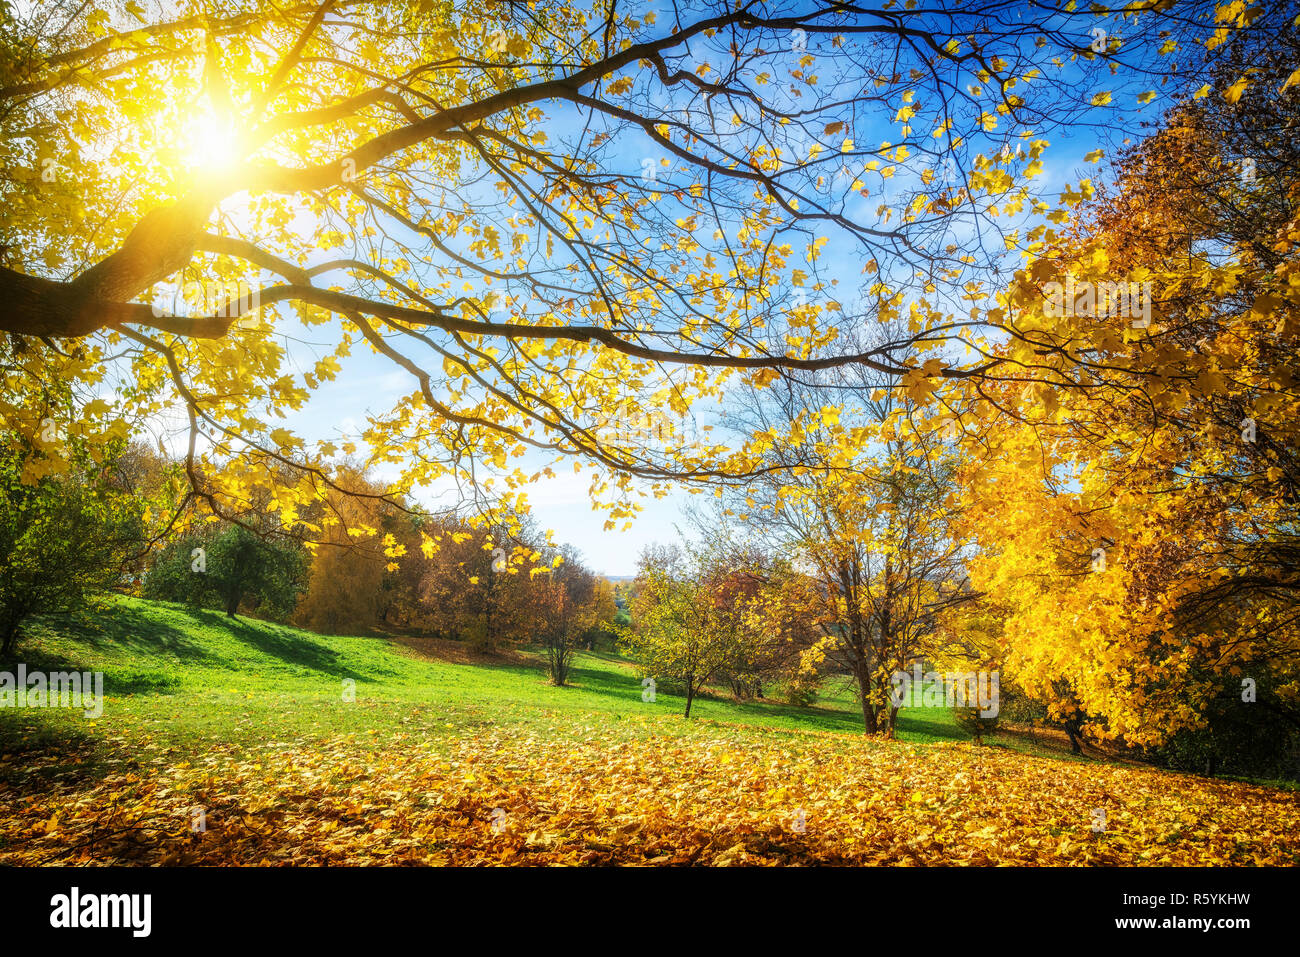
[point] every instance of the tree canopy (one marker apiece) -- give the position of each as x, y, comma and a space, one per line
543, 212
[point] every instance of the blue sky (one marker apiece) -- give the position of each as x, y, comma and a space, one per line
372, 384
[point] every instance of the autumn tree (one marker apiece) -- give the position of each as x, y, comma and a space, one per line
686, 625
745, 585
1146, 547
347, 583
536, 212
860, 493
476, 585
568, 605
607, 615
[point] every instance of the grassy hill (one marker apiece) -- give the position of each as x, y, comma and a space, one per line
190, 675
440, 758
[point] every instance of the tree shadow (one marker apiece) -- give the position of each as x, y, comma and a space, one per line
38, 752
930, 729
116, 681
290, 646
142, 630
812, 717
629, 689
124, 625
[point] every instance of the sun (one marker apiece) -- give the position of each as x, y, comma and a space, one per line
213, 143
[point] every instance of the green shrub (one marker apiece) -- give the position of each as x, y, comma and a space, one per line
802, 690
975, 724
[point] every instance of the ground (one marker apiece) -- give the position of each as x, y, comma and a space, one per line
232, 742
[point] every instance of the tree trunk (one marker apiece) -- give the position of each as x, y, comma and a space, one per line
559, 662
10, 624
869, 722
1071, 729
232, 603
10, 640
690, 696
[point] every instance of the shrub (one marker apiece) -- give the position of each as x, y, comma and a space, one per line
802, 690
975, 724
63, 535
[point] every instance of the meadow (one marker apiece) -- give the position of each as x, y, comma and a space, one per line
245, 742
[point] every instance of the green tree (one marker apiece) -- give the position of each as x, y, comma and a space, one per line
229, 570
683, 630
62, 536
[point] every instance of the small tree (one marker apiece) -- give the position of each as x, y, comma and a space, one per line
682, 631
229, 569
802, 688
568, 606
974, 723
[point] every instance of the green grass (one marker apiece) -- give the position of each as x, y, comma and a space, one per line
177, 678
